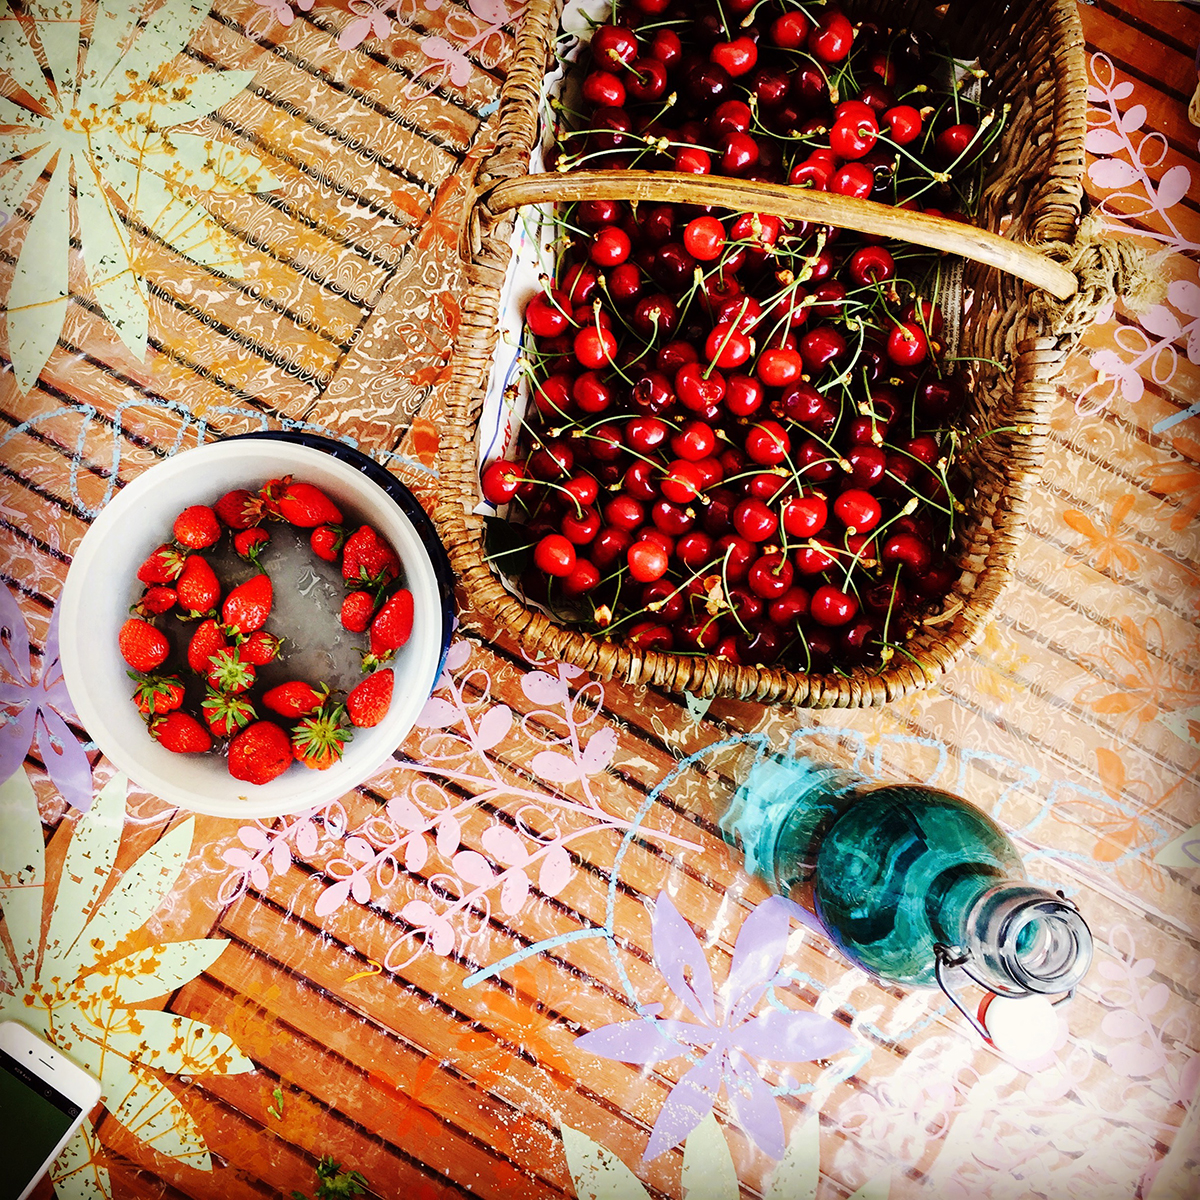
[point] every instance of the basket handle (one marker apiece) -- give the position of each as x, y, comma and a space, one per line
804, 204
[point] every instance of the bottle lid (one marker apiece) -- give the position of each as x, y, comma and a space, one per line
1024, 1030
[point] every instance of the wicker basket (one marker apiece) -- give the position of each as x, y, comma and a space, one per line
1032, 196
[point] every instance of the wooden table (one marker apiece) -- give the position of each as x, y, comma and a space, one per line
399, 980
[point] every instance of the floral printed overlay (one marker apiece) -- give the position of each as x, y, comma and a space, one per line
35, 713
111, 126
724, 1039
85, 984
1137, 199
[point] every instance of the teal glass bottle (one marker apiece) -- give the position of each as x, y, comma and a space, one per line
908, 881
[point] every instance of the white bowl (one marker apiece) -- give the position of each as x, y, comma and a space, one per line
98, 592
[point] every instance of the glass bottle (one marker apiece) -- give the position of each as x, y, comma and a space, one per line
909, 882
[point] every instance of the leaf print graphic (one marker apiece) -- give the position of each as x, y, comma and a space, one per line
91, 1014
114, 132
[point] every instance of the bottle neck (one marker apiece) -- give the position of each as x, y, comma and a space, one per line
1020, 940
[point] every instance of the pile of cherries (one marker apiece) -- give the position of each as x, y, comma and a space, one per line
739, 438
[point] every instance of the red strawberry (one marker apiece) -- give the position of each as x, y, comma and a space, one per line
368, 703
156, 600
225, 715
357, 610
197, 527
250, 543
182, 733
301, 504
326, 541
320, 740
259, 753
392, 626
260, 648
248, 606
156, 694
198, 589
238, 509
163, 566
228, 673
209, 639
295, 699
366, 557
142, 646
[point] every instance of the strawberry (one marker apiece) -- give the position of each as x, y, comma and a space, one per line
239, 509
197, 527
156, 694
228, 673
250, 543
357, 610
259, 753
181, 733
300, 504
326, 541
392, 626
368, 703
247, 607
197, 587
295, 699
163, 566
155, 600
367, 558
208, 640
142, 646
319, 741
225, 715
260, 648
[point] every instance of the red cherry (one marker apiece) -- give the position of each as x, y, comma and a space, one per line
653, 394
867, 462
907, 345
779, 368
871, 264
953, 142
698, 391
767, 443
672, 519
704, 238
646, 434
831, 606
743, 395
821, 346
614, 46
694, 549
904, 124
787, 609
734, 116
738, 57
646, 79
854, 136
610, 246
665, 45
583, 577
754, 520
739, 154
694, 441
581, 527
655, 315
626, 281
641, 480
554, 555
500, 480
814, 461
580, 282
831, 38
853, 180
692, 160
815, 173
683, 481
812, 560
909, 550
624, 512
768, 485
770, 575
727, 347
592, 392
858, 510
790, 30
552, 397
595, 347
603, 88
650, 635
610, 546
647, 560
736, 555
805, 516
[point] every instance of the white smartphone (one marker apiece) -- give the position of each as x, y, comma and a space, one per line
44, 1098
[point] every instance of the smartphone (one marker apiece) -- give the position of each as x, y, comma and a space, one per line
44, 1098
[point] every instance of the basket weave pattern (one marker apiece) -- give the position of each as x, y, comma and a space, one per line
1033, 54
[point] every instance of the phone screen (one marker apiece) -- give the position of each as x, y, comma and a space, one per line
33, 1117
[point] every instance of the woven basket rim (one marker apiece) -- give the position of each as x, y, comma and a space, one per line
1034, 362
